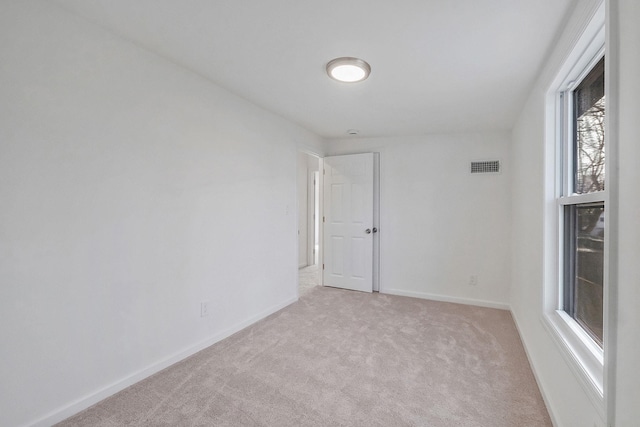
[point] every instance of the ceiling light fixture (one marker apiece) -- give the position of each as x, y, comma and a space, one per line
348, 70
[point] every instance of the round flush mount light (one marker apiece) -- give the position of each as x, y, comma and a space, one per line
348, 70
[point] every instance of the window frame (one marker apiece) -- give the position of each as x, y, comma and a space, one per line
584, 356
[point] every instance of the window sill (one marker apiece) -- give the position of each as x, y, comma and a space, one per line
583, 355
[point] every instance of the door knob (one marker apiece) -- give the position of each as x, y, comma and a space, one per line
368, 231
375, 230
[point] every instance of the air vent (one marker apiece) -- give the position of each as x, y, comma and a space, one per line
489, 166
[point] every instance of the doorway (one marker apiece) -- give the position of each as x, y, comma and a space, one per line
313, 254
309, 274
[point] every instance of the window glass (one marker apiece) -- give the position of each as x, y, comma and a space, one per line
589, 110
584, 221
584, 248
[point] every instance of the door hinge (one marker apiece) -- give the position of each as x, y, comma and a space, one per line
323, 266
324, 171
322, 219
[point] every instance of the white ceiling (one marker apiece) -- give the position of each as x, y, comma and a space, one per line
437, 65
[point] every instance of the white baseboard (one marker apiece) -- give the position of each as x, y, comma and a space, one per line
545, 398
83, 403
446, 298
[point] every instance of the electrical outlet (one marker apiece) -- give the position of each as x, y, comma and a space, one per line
204, 308
473, 280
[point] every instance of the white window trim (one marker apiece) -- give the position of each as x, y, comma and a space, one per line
582, 354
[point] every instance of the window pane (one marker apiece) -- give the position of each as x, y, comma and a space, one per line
589, 109
584, 246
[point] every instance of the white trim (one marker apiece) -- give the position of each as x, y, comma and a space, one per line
612, 89
313, 151
321, 213
83, 403
311, 201
585, 53
575, 199
585, 364
447, 298
376, 221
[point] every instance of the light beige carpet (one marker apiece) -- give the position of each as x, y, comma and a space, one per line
342, 358
308, 278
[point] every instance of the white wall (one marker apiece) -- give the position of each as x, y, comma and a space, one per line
438, 223
130, 190
624, 20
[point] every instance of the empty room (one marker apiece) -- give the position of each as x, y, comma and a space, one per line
338, 213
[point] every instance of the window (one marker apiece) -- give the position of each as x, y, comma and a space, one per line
576, 203
582, 202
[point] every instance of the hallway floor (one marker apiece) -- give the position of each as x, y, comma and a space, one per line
309, 277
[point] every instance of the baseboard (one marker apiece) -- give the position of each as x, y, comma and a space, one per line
109, 390
545, 398
446, 298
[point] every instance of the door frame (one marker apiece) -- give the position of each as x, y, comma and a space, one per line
376, 220
312, 187
317, 155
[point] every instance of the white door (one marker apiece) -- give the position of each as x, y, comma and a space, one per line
348, 222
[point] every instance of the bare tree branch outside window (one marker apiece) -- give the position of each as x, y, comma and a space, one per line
590, 146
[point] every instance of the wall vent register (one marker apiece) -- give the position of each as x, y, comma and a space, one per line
490, 166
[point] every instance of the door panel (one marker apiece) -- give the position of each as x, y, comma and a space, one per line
337, 197
358, 263
348, 214
337, 254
